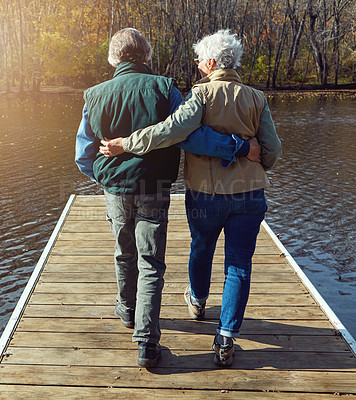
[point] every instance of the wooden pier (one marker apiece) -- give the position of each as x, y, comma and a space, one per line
64, 342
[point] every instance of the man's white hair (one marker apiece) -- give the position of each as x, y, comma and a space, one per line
129, 45
223, 47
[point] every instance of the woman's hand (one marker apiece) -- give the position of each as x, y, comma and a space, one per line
111, 147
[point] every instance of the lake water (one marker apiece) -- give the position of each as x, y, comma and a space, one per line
311, 202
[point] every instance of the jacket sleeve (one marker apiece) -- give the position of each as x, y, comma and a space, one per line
268, 139
86, 147
207, 142
184, 129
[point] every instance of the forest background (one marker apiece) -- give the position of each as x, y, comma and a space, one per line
287, 43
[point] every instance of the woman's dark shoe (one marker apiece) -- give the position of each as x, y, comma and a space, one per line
224, 350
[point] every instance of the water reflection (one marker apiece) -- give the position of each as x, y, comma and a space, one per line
313, 196
311, 202
316, 178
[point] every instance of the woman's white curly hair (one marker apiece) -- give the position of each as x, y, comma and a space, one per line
221, 46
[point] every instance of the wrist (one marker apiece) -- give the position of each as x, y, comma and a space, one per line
244, 149
125, 145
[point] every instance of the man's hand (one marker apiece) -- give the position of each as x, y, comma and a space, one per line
111, 148
255, 151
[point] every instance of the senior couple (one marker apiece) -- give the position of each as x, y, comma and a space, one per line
129, 141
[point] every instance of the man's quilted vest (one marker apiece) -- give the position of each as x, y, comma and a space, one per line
133, 99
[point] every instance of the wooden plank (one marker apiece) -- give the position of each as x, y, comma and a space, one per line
107, 235
173, 276
178, 378
183, 259
173, 207
99, 200
169, 287
183, 243
103, 226
179, 227
191, 359
94, 203
218, 267
70, 341
108, 250
174, 341
179, 326
174, 312
170, 299
100, 215
16, 392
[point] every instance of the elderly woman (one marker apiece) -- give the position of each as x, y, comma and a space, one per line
219, 196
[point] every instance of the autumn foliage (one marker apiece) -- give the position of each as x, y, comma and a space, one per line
65, 42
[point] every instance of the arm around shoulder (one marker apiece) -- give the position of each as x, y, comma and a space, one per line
173, 130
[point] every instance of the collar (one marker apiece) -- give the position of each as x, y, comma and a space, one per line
221, 75
126, 67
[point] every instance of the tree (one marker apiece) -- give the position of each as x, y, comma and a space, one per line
66, 41
318, 35
297, 16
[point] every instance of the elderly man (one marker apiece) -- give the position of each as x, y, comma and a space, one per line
137, 188
217, 198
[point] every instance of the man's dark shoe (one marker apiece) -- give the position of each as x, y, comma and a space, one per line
195, 311
224, 351
127, 316
148, 354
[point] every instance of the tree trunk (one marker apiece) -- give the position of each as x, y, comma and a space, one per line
256, 49
318, 50
305, 71
21, 87
4, 46
298, 31
269, 64
242, 31
280, 46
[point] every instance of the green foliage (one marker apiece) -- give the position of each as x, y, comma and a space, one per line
260, 70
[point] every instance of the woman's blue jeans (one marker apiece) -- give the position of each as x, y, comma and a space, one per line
240, 215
